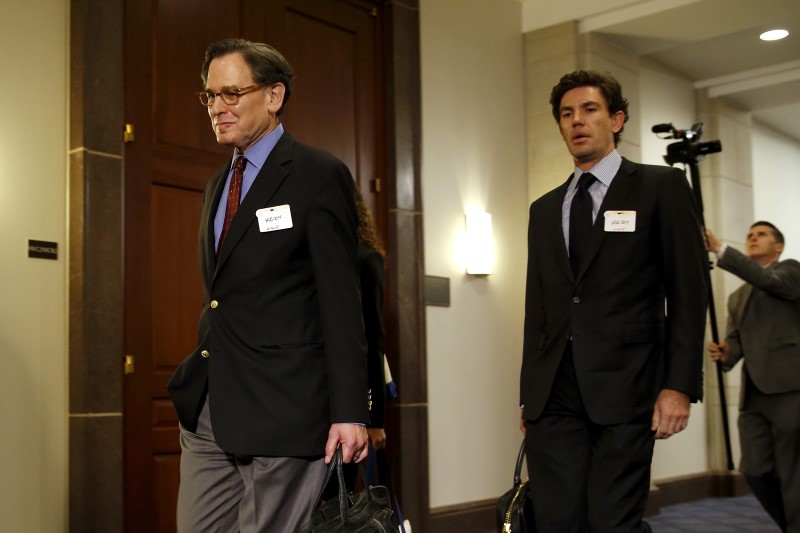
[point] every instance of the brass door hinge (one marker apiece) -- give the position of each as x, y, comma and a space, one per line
127, 135
375, 185
128, 366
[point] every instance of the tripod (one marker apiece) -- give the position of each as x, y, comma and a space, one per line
690, 152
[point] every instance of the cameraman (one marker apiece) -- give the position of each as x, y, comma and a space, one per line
764, 328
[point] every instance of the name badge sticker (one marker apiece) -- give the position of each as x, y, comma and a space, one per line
620, 221
274, 218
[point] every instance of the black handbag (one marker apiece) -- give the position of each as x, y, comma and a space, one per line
514, 508
369, 511
380, 466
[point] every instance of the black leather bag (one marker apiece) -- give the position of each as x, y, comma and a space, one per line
369, 511
514, 508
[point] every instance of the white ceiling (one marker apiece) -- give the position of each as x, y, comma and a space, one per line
711, 42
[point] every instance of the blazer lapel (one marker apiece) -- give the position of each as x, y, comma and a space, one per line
266, 183
207, 238
552, 212
740, 305
616, 195
743, 297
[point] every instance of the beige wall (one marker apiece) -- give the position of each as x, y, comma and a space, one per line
668, 98
473, 156
776, 184
33, 340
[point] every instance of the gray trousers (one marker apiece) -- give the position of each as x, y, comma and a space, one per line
223, 493
769, 431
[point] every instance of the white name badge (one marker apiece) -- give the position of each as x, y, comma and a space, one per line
274, 218
620, 221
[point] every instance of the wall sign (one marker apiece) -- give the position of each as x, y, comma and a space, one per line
42, 249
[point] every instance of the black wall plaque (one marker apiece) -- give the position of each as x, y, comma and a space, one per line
43, 249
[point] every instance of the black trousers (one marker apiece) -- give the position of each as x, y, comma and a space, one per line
586, 477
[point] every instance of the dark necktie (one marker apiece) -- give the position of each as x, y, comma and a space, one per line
580, 221
234, 195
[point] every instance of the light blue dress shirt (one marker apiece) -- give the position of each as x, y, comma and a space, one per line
256, 156
604, 171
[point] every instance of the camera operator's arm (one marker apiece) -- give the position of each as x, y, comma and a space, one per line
712, 243
781, 280
729, 351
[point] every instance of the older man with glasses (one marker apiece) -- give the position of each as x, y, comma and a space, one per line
278, 378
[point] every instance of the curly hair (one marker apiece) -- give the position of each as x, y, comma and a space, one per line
367, 232
611, 89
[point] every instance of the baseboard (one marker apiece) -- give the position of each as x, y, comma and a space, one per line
694, 487
479, 517
471, 517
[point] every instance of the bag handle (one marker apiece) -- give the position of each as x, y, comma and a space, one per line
518, 469
335, 466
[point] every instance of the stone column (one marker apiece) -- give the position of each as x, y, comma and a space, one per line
95, 266
727, 186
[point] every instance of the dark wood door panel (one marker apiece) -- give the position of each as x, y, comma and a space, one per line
336, 49
330, 121
183, 29
165, 493
175, 281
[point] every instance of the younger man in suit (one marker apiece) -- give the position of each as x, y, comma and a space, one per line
764, 331
605, 369
278, 378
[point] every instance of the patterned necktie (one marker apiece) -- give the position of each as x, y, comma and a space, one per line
234, 195
580, 221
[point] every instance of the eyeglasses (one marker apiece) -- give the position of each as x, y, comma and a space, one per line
229, 96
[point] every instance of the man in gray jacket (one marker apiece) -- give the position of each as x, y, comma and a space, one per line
764, 330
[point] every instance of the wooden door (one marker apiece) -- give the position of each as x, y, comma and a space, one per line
335, 49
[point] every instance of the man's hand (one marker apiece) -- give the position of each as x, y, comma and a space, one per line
377, 436
719, 352
712, 243
353, 439
522, 420
671, 413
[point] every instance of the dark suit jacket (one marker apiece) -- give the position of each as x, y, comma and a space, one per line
281, 347
371, 270
625, 347
764, 322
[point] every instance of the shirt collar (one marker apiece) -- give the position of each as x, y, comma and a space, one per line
257, 154
605, 169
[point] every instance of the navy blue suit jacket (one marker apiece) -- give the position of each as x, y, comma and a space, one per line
281, 348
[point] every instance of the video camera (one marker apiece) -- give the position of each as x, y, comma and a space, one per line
689, 149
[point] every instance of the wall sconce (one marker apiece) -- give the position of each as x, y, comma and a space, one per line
480, 246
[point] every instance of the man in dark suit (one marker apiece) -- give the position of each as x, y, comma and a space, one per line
764, 331
614, 320
278, 379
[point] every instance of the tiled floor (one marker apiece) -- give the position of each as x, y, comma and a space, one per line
740, 515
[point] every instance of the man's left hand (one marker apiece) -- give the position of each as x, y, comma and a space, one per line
671, 413
354, 441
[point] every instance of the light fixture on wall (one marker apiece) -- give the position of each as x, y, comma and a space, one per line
480, 246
